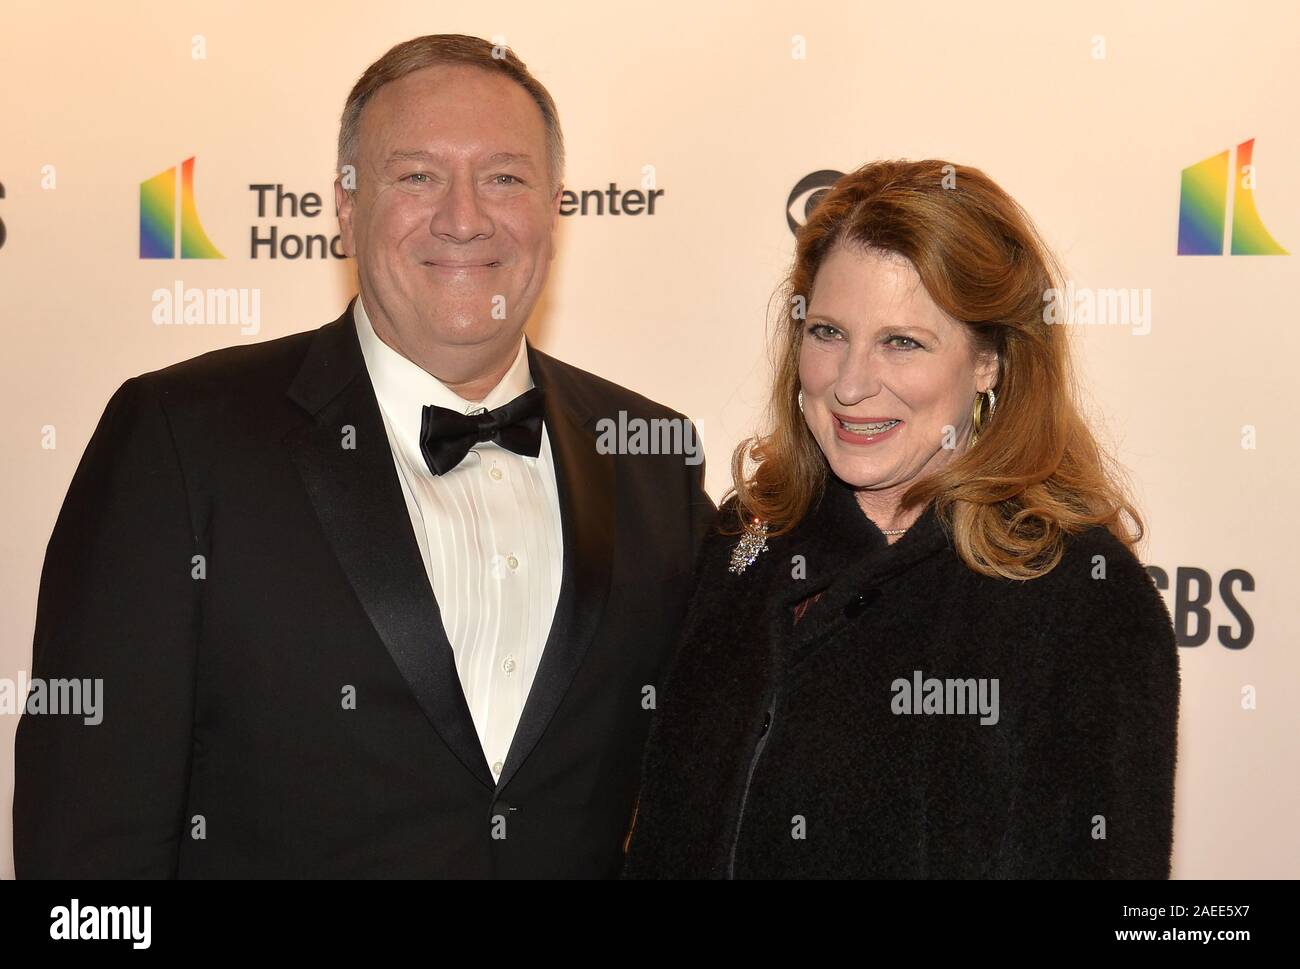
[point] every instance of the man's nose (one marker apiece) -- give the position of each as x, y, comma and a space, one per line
460, 215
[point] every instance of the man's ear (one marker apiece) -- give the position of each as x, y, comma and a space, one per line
555, 203
345, 204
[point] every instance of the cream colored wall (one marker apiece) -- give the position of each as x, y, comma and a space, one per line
674, 305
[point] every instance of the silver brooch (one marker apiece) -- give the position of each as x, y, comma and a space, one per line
751, 544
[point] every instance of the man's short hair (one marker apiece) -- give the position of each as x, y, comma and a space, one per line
436, 50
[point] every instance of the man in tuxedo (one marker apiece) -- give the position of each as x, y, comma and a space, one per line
371, 600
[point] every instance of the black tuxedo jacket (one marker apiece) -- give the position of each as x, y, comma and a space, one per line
235, 561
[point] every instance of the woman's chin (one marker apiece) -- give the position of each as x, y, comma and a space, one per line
855, 475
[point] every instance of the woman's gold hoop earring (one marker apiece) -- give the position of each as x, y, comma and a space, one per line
977, 413
801, 402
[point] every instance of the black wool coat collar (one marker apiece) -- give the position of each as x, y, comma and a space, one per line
846, 561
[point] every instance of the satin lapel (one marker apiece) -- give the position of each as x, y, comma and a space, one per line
585, 481
358, 499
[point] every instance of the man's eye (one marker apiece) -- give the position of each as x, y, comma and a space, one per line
512, 179
418, 178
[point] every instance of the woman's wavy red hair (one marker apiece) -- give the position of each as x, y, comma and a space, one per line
1036, 474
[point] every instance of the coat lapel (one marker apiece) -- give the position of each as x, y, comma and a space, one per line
846, 555
358, 499
585, 481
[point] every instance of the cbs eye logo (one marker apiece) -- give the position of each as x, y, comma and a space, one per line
806, 194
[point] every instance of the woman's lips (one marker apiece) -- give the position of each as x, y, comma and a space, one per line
867, 430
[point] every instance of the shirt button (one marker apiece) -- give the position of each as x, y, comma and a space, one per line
512, 562
496, 768
495, 473
508, 664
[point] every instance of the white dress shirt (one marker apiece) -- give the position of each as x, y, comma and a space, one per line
489, 532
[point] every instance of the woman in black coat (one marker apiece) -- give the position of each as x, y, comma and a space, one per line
921, 645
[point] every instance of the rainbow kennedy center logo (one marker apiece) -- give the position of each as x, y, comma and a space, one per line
1204, 203
163, 208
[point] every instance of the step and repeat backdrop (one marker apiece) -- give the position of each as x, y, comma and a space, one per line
1154, 144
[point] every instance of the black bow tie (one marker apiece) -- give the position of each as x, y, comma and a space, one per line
446, 436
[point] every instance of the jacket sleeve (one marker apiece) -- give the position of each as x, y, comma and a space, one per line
701, 506
656, 847
1096, 776
101, 794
